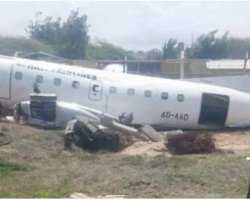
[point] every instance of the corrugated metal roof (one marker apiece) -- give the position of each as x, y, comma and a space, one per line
227, 64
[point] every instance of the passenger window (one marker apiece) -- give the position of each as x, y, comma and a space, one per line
164, 95
18, 75
57, 81
148, 93
75, 84
180, 97
39, 79
131, 91
112, 89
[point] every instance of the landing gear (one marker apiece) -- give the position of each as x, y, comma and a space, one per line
19, 115
68, 143
17, 112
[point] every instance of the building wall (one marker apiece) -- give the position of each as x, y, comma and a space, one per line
85, 63
192, 68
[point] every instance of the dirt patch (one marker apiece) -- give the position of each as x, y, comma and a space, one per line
224, 143
187, 143
150, 149
237, 141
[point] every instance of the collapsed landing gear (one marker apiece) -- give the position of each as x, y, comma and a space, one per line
68, 142
19, 115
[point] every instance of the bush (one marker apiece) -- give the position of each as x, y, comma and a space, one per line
190, 143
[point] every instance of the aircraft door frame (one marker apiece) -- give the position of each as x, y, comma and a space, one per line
95, 90
214, 109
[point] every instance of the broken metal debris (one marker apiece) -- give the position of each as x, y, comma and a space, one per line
89, 137
84, 196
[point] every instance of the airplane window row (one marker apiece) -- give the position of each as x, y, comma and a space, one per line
39, 79
112, 89
147, 93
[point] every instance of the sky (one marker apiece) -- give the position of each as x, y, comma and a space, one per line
135, 25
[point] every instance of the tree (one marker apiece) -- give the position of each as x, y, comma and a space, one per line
10, 45
74, 36
170, 49
47, 32
154, 54
106, 51
69, 38
237, 48
207, 46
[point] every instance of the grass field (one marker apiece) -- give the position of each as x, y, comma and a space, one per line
34, 165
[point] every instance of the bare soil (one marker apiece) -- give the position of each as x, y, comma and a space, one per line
235, 142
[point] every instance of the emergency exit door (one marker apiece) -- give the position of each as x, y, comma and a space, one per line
5, 77
95, 90
214, 109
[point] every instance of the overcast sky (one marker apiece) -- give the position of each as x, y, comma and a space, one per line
136, 25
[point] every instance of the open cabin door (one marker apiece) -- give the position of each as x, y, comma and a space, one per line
214, 109
5, 78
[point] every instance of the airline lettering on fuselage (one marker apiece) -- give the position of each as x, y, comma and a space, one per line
61, 71
177, 116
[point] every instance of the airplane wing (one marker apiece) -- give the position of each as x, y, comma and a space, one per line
45, 111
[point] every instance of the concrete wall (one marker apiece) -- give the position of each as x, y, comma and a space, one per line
192, 68
85, 63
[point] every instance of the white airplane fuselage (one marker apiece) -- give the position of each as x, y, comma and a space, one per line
159, 102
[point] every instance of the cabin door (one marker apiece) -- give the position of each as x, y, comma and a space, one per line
95, 90
214, 109
96, 96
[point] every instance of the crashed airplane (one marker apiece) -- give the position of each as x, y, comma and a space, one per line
161, 103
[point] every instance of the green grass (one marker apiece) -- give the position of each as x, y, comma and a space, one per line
156, 196
34, 165
9, 169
